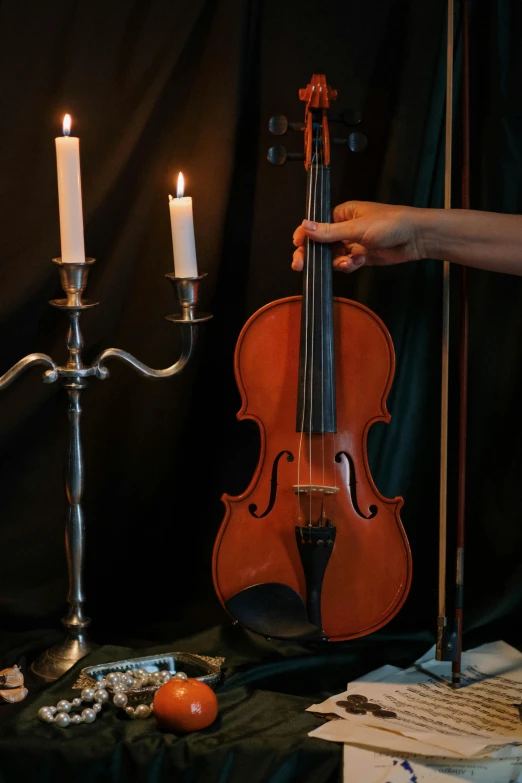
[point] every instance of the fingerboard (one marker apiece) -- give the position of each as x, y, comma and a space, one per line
316, 410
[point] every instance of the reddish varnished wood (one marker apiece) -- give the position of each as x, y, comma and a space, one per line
463, 348
369, 573
317, 95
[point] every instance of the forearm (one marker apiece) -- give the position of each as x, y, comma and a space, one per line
486, 240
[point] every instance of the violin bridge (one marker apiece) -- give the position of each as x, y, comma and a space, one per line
314, 489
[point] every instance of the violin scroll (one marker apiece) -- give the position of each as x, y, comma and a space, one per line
317, 96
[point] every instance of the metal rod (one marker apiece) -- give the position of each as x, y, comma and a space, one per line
75, 621
463, 352
34, 358
443, 496
54, 662
188, 342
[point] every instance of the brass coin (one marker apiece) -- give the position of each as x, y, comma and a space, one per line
357, 698
384, 714
352, 707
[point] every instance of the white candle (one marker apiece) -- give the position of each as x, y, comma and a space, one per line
70, 195
182, 225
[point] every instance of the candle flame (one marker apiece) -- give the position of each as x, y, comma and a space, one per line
67, 125
181, 185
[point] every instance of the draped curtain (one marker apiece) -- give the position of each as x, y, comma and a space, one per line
159, 86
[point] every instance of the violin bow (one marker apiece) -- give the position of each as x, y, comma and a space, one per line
449, 636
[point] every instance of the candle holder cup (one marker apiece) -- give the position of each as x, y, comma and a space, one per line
187, 292
74, 374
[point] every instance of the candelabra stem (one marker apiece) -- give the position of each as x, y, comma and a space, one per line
54, 662
75, 620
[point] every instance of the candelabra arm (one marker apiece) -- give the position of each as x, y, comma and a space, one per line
188, 343
17, 369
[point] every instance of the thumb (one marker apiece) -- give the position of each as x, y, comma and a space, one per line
349, 231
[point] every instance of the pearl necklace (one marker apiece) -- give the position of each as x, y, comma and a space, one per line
117, 682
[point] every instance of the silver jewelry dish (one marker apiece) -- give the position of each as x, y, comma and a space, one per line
203, 667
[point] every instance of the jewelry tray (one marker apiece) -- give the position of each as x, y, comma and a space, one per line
203, 667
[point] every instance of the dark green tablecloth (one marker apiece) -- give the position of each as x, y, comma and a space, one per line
260, 735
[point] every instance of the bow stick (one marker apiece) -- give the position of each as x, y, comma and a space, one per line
449, 636
463, 410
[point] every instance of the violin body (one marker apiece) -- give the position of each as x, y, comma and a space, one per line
369, 571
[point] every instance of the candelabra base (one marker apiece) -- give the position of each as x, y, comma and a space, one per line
55, 661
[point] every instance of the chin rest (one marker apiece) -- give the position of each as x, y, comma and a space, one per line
273, 610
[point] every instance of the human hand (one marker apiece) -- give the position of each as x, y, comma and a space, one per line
363, 232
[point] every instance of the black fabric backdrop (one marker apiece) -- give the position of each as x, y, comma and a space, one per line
159, 86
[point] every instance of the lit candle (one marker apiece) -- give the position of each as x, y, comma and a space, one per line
182, 225
70, 195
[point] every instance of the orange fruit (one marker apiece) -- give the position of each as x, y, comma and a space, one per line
185, 705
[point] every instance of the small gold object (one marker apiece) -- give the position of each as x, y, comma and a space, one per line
13, 680
12, 677
14, 694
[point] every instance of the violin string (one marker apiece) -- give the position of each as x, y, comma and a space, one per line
322, 218
305, 369
334, 434
332, 400
312, 330
332, 407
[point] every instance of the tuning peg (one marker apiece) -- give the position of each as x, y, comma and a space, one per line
357, 142
278, 155
348, 117
278, 125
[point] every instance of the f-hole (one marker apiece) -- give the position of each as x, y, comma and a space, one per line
273, 486
352, 483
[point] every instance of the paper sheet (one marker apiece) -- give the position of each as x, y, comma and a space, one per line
365, 736
368, 738
495, 658
472, 721
371, 767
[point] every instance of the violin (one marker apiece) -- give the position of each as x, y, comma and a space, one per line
311, 549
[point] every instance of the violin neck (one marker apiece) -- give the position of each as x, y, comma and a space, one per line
316, 411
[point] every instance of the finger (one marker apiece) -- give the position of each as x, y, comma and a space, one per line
299, 236
344, 212
349, 263
357, 250
348, 250
349, 231
298, 260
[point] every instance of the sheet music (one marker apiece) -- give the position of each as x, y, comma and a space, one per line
476, 720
